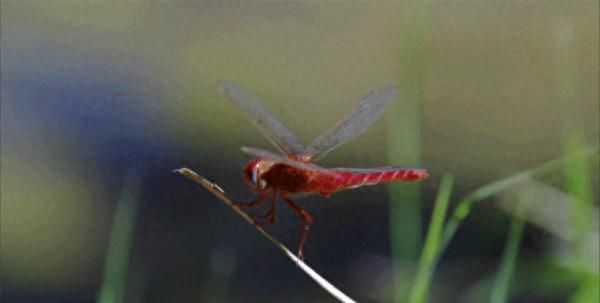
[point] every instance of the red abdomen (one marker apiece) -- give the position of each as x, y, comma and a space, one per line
342, 179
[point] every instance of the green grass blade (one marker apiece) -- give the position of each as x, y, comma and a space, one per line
464, 206
404, 144
486, 191
578, 186
577, 177
588, 291
501, 285
421, 285
114, 277
576, 172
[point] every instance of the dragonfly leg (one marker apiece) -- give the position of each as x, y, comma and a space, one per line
306, 217
269, 216
258, 200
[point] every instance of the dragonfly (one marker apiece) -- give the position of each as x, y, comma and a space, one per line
293, 171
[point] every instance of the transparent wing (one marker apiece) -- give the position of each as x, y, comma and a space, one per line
377, 169
263, 154
274, 130
360, 118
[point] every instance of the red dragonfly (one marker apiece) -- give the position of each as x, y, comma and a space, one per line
278, 176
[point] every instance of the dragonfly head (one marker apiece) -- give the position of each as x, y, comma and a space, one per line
253, 172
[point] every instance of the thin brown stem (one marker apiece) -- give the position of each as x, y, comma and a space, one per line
220, 193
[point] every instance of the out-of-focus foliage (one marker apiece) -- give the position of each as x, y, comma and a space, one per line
92, 91
52, 213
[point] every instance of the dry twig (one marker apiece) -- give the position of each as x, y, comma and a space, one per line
220, 193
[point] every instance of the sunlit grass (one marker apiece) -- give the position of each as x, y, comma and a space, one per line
578, 186
464, 205
588, 290
437, 240
577, 169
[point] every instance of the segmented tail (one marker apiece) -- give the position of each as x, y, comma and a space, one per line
359, 177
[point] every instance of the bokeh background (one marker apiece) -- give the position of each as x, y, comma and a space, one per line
102, 100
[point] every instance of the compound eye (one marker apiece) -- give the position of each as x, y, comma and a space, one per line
255, 175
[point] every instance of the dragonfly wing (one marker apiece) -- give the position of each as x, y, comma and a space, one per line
360, 118
274, 130
263, 154
378, 169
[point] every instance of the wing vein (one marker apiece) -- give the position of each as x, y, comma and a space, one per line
360, 118
273, 129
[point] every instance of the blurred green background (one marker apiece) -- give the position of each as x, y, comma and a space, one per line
101, 100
